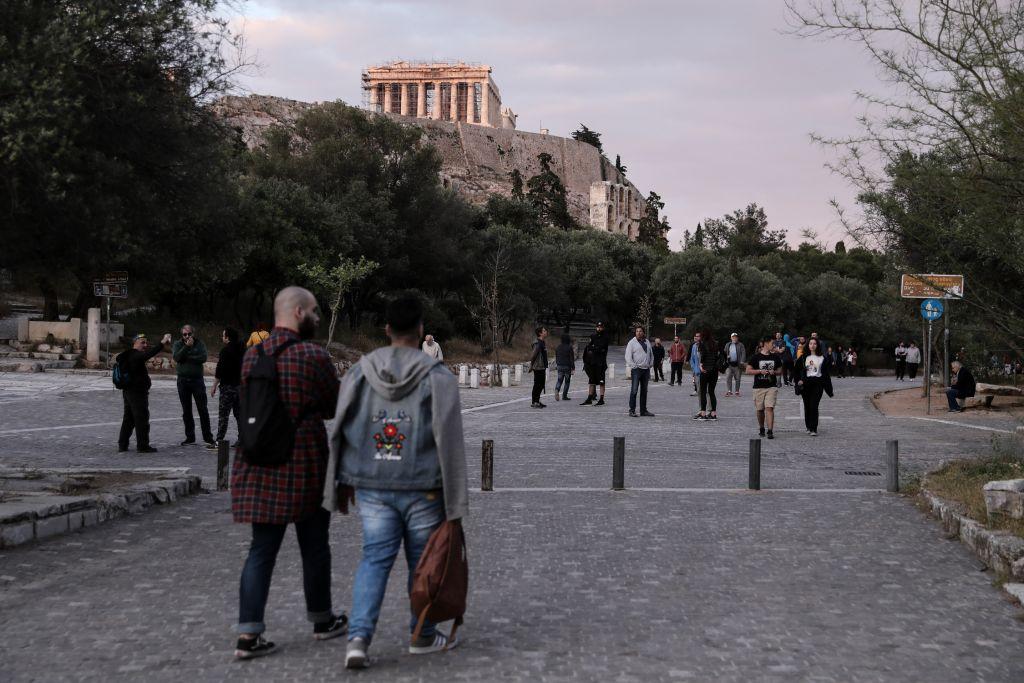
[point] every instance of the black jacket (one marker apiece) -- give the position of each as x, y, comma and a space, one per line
964, 383
565, 356
826, 372
229, 364
135, 363
659, 353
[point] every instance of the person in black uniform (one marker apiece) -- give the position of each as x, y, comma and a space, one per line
136, 394
595, 363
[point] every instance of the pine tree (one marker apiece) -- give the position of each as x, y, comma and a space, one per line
547, 193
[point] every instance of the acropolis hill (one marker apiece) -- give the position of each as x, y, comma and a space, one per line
476, 158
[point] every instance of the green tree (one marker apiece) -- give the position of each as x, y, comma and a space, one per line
619, 166
547, 193
653, 230
743, 233
335, 282
591, 137
517, 183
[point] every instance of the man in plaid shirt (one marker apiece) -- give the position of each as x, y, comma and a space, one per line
272, 497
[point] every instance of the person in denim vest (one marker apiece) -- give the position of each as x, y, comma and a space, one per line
397, 451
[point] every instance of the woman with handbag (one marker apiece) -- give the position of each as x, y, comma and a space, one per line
712, 361
813, 378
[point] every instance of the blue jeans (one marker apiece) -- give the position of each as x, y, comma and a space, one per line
389, 518
952, 397
189, 389
564, 373
259, 568
639, 379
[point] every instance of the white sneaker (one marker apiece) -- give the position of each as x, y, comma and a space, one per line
440, 643
355, 654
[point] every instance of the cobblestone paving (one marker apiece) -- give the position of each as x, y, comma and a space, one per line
818, 584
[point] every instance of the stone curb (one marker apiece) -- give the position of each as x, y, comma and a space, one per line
80, 512
999, 550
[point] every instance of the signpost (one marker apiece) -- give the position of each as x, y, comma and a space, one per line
931, 310
934, 286
675, 323
113, 285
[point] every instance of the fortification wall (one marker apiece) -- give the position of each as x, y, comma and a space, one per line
476, 160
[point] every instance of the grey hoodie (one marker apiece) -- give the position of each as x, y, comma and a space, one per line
398, 426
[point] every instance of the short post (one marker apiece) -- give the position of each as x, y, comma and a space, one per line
519, 373
611, 371
463, 375
487, 466
892, 466
506, 380
754, 467
474, 378
222, 464
619, 464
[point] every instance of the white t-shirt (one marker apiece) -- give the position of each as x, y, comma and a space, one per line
813, 364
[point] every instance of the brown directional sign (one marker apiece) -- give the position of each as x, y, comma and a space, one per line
675, 321
119, 277
932, 286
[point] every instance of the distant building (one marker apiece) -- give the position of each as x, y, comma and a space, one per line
616, 208
444, 91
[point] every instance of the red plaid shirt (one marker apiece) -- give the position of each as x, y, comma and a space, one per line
292, 491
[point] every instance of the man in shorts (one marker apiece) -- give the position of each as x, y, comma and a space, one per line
765, 366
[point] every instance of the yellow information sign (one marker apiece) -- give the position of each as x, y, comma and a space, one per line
932, 286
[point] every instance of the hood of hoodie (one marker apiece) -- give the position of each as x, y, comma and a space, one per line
394, 371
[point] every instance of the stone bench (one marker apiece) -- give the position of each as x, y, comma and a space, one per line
985, 393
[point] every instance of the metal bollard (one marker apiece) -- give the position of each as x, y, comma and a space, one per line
222, 465
619, 464
754, 467
487, 466
892, 466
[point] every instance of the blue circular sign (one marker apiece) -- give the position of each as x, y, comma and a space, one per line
931, 309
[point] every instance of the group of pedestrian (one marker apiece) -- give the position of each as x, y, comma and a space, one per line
908, 360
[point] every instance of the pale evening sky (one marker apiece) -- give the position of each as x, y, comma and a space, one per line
709, 103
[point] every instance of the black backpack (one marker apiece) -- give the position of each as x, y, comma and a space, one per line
266, 433
119, 375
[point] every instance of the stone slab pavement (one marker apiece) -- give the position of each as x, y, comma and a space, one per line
686, 576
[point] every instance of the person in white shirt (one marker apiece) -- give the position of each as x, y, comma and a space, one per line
901, 361
913, 360
812, 379
639, 359
432, 348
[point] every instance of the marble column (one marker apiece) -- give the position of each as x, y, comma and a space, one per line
373, 98
421, 100
436, 114
387, 98
485, 104
403, 105
454, 106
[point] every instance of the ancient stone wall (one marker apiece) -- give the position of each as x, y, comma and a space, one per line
476, 160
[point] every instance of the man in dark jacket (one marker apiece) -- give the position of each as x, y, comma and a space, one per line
659, 360
136, 395
227, 377
565, 362
189, 355
961, 386
595, 363
269, 498
539, 367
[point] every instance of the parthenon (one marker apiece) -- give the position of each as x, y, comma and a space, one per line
446, 91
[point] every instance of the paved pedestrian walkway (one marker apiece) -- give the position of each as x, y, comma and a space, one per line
686, 576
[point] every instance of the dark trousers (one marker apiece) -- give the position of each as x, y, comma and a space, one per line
901, 369
136, 418
189, 389
811, 395
227, 404
912, 370
676, 374
564, 375
952, 397
638, 381
538, 385
659, 372
708, 380
787, 373
259, 569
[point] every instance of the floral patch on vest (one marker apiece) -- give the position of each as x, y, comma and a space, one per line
390, 438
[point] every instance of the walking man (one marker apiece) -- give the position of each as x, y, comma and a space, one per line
595, 364
901, 361
765, 366
432, 348
913, 360
695, 362
659, 360
189, 356
539, 366
227, 377
565, 362
639, 358
397, 452
676, 356
272, 497
961, 386
736, 357
135, 394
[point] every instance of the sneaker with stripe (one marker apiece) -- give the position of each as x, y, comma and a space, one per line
429, 644
248, 648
